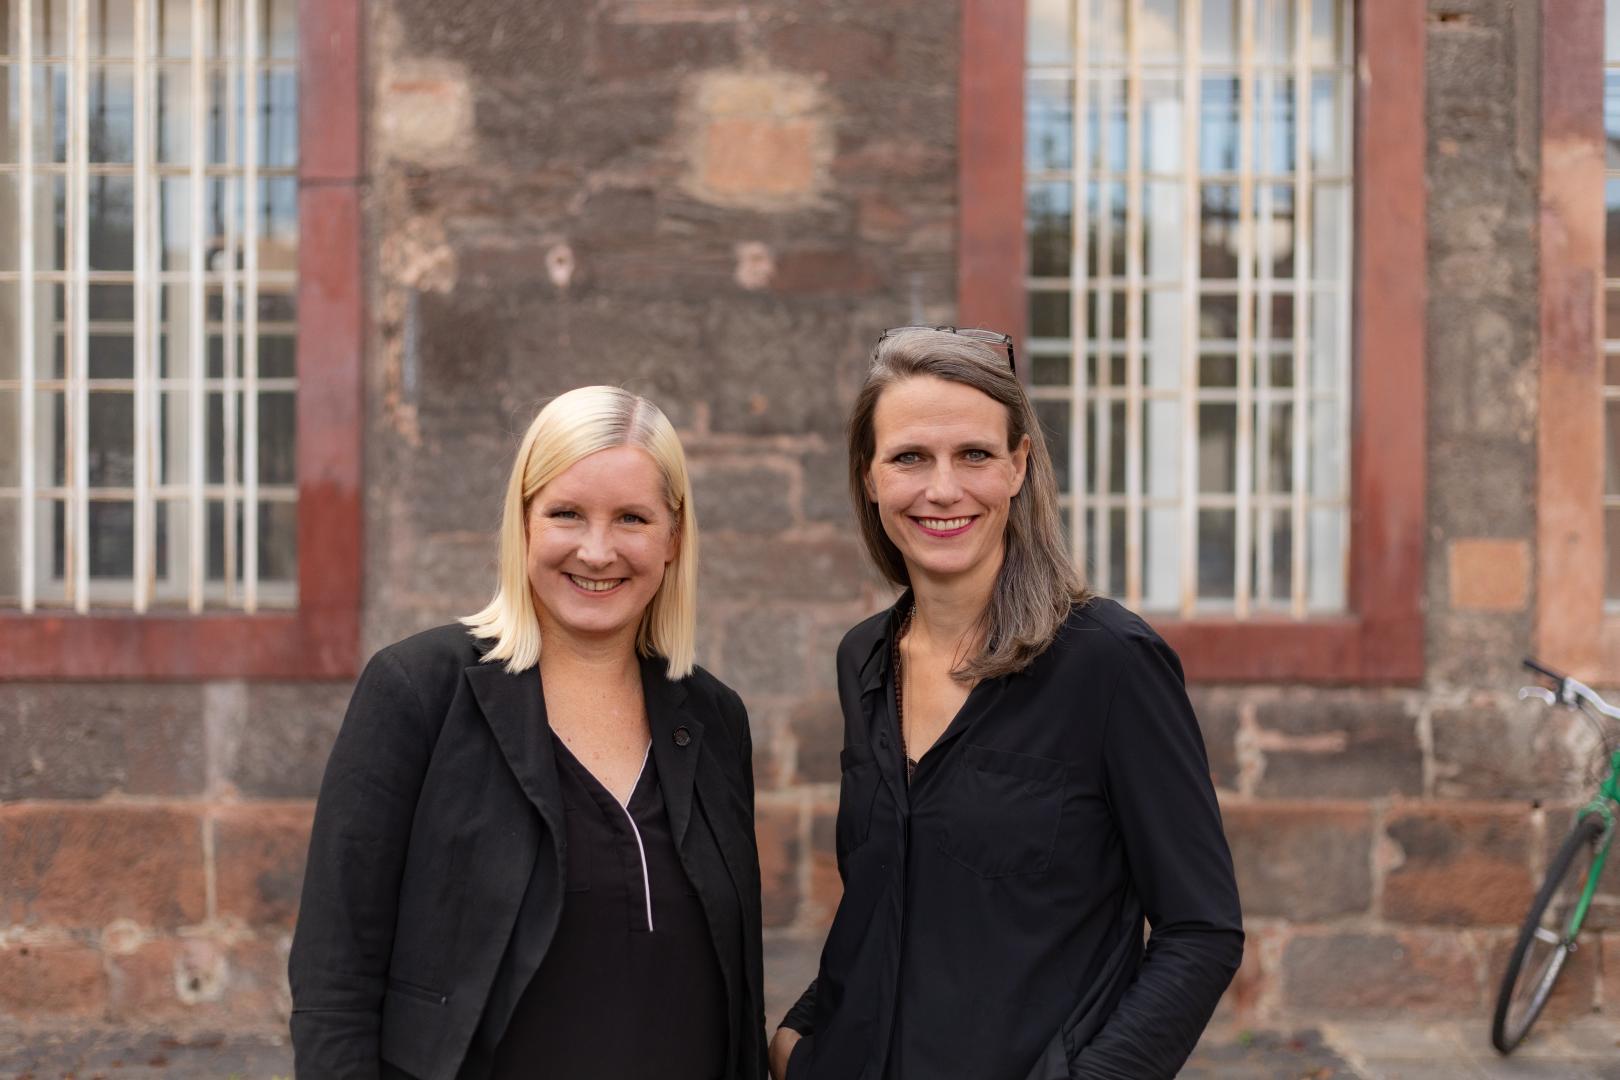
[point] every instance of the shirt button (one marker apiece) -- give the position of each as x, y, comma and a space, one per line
682, 736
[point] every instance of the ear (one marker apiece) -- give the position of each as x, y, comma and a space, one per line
673, 551
1020, 460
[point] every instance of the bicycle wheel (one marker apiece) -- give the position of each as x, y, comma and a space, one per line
1544, 941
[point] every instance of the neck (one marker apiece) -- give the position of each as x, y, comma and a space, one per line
607, 659
949, 609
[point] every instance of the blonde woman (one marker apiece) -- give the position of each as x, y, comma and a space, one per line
533, 853
1024, 784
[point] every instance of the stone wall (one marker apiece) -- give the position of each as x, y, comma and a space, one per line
720, 204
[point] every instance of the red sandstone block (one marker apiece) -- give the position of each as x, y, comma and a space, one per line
259, 855
1458, 866
202, 982
1576, 991
826, 887
1406, 973
1243, 1000
776, 826
84, 866
1301, 861
57, 981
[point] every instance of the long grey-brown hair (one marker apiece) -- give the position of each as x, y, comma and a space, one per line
1038, 583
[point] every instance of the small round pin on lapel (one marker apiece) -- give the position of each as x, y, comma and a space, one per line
682, 736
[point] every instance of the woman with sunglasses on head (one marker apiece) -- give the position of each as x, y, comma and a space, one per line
533, 853
1024, 782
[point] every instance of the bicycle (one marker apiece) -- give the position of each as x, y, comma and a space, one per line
1547, 938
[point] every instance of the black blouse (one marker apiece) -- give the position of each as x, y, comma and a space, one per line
631, 977
992, 919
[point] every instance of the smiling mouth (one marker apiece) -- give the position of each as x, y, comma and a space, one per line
944, 526
593, 585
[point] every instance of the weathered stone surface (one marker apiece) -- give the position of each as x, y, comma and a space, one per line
776, 827
1458, 866
1300, 861
202, 983
1381, 974
629, 49
785, 569
80, 741
259, 854
826, 887
1522, 751
826, 486
757, 138
1218, 715
53, 981
286, 730
817, 724
765, 652
1339, 748
84, 866
750, 499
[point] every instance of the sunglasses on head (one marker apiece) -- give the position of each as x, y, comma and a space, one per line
983, 337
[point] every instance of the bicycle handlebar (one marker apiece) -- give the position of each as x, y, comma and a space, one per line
1541, 669
1572, 692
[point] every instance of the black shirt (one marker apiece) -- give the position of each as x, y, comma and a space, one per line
631, 977
992, 918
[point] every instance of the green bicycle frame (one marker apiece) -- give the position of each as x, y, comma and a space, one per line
1603, 806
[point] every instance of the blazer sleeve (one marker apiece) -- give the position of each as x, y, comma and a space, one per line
338, 967
1158, 787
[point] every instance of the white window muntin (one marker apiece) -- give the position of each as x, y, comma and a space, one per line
1119, 78
134, 383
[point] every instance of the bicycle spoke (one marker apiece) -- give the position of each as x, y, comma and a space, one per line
1543, 934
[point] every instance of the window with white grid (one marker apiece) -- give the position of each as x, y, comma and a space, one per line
148, 243
1188, 223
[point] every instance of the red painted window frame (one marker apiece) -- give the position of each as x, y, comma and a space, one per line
321, 637
1573, 631
1381, 640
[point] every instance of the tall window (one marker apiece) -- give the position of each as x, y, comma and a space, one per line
1188, 196
148, 272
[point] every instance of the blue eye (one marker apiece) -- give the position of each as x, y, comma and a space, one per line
562, 514
910, 457
636, 518
978, 455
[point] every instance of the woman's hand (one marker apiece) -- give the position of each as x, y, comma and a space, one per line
782, 1044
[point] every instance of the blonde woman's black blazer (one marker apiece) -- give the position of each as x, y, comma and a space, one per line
436, 863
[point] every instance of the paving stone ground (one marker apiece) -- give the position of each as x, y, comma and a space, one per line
1585, 1050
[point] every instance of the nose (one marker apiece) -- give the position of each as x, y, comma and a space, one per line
595, 548
943, 486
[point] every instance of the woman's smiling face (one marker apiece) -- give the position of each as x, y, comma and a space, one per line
599, 537
942, 476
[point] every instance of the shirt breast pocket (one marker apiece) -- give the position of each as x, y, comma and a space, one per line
1004, 811
857, 791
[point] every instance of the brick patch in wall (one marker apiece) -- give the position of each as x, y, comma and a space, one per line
757, 139
1489, 575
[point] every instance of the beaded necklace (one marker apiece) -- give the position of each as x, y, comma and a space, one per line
899, 692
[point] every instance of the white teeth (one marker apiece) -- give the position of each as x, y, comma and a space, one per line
944, 524
595, 586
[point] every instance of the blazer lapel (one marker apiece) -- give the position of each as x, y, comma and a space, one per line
515, 709
677, 736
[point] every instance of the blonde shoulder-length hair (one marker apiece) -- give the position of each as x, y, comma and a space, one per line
571, 427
